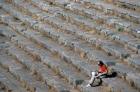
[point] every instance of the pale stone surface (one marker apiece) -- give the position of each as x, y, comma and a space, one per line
40, 69
122, 87
64, 33
10, 82
116, 50
68, 72
134, 80
134, 61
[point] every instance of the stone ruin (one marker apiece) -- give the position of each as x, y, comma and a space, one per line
53, 45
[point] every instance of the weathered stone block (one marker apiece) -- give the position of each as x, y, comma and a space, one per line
116, 50
134, 44
113, 86
107, 32
9, 83
134, 61
134, 80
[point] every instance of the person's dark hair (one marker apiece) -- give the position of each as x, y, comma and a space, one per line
100, 63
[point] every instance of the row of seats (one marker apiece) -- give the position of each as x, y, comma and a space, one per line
60, 45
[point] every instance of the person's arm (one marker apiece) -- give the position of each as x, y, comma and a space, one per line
99, 73
102, 73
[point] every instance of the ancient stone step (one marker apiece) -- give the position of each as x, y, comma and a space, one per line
87, 36
78, 63
119, 25
30, 33
133, 5
26, 41
109, 8
117, 37
54, 49
26, 79
46, 74
46, 44
80, 10
92, 89
79, 45
9, 82
135, 82
14, 68
100, 7
99, 17
39, 14
115, 21
64, 69
67, 27
75, 78
4, 31
115, 82
94, 55
44, 5
128, 74
134, 61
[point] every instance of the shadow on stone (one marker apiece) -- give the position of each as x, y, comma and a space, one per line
98, 81
112, 75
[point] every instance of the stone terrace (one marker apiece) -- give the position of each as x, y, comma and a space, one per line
53, 45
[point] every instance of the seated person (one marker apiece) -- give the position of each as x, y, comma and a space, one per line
102, 72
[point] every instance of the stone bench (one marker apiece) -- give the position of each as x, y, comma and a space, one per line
45, 6
78, 47
135, 31
118, 23
57, 24
133, 5
134, 61
74, 78
116, 69
92, 89
134, 80
79, 22
54, 65
26, 79
82, 48
64, 40
128, 73
97, 5
43, 55
41, 70
5, 32
9, 82
47, 44
39, 15
123, 86
108, 8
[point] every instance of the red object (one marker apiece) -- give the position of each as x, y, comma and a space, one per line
102, 69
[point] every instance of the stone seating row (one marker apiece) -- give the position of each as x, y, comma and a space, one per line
111, 9
26, 79
45, 74
129, 4
37, 37
52, 21
28, 36
101, 17
89, 25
